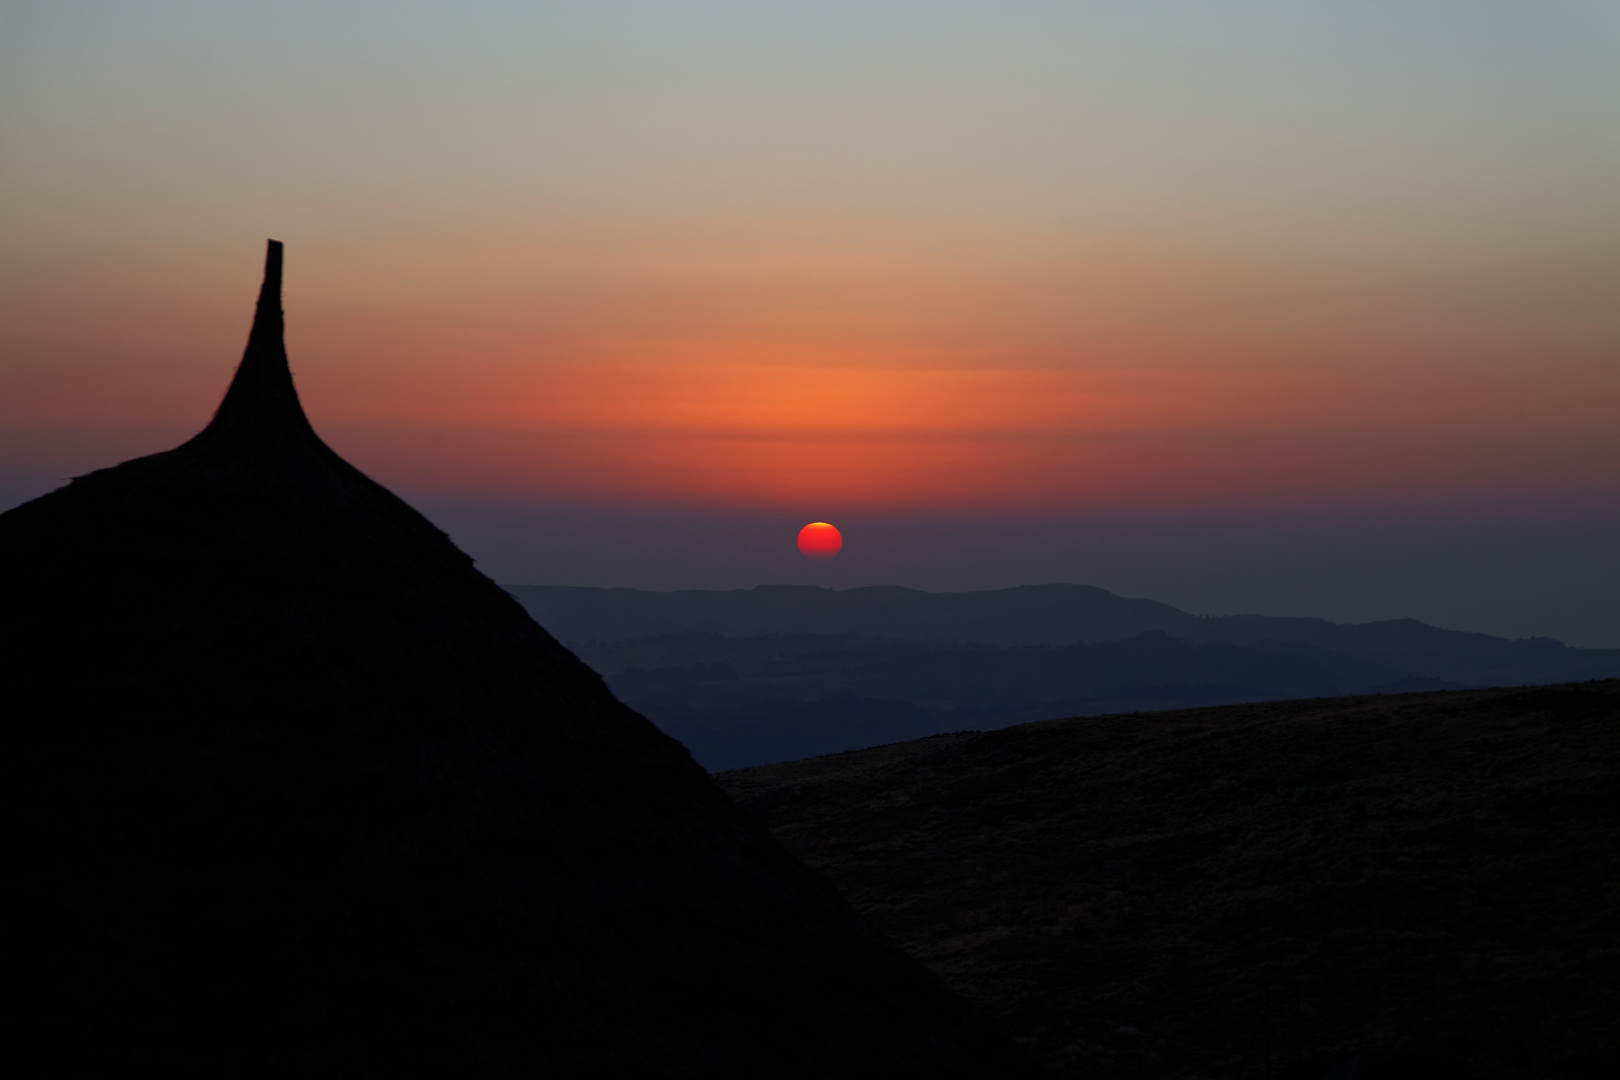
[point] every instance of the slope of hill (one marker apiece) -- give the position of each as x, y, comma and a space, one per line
1429, 881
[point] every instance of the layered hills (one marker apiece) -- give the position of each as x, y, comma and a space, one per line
780, 672
1406, 885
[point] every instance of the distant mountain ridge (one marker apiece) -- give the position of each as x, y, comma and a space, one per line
1044, 615
783, 671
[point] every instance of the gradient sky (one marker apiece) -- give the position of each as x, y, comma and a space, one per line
1016, 263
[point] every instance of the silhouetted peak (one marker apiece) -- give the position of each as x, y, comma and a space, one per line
262, 401
355, 808
267, 320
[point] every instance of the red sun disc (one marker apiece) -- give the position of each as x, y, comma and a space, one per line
819, 540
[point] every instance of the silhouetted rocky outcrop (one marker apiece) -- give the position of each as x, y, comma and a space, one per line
273, 813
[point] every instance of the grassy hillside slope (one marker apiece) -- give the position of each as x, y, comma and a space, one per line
1431, 881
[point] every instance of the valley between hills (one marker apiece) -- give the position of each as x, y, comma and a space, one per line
1419, 884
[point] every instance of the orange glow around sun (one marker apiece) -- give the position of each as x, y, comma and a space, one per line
970, 400
819, 540
1065, 264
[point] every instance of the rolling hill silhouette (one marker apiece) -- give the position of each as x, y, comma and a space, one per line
294, 790
1404, 887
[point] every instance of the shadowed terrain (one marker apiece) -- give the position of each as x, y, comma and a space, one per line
1428, 881
775, 673
740, 701
1053, 615
294, 791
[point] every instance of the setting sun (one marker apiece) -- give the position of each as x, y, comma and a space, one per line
819, 540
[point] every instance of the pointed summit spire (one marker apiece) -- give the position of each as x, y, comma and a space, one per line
262, 401
267, 320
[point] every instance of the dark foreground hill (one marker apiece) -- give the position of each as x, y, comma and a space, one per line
1429, 881
292, 790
